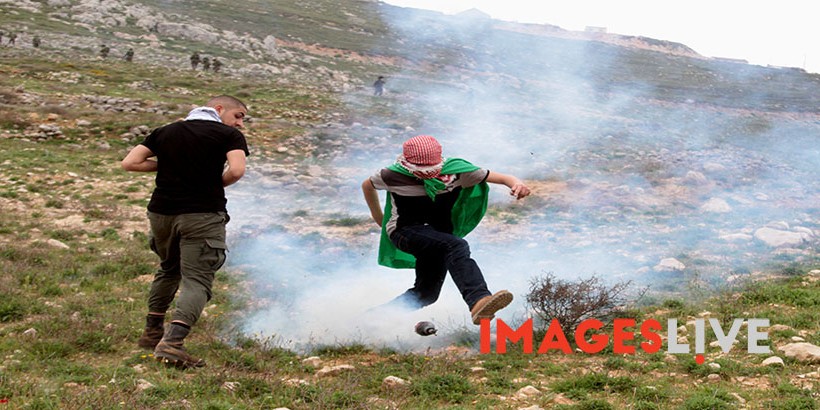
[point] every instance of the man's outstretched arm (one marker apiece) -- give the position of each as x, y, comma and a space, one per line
517, 188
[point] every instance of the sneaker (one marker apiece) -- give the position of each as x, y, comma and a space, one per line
150, 337
176, 356
486, 307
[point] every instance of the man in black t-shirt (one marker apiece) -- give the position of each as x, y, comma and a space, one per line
188, 215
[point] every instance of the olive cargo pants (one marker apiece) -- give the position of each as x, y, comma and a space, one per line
191, 248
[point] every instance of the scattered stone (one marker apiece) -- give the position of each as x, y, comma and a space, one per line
695, 178
780, 328
561, 399
57, 244
45, 132
716, 205
334, 370
779, 238
669, 264
313, 361
773, 361
802, 352
527, 392
392, 382
736, 237
143, 384
738, 398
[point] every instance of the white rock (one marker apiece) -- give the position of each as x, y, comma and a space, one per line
393, 382
777, 238
695, 178
773, 361
527, 391
57, 244
669, 264
802, 352
736, 237
143, 384
716, 205
313, 361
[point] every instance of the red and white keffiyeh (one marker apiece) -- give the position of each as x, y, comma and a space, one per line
421, 156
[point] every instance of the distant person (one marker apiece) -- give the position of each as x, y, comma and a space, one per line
12, 38
378, 86
187, 214
217, 65
206, 63
195, 59
432, 203
1, 38
35, 42
104, 50
129, 55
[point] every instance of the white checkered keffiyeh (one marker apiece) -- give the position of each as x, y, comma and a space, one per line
421, 171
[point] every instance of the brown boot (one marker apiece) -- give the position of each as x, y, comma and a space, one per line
486, 307
170, 351
150, 337
152, 334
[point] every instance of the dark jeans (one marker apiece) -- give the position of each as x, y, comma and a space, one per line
191, 248
436, 253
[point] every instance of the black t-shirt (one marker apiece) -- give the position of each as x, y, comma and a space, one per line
412, 206
191, 156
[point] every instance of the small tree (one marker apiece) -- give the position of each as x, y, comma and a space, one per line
573, 302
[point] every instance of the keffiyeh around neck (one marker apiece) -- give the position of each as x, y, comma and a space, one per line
420, 171
203, 113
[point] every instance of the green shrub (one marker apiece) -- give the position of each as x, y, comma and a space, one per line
11, 309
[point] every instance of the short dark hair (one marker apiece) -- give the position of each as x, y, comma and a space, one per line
226, 100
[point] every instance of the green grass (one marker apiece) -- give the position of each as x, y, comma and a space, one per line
83, 338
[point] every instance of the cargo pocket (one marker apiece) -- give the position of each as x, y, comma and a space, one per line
215, 253
152, 243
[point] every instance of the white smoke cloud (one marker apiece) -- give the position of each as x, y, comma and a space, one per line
622, 176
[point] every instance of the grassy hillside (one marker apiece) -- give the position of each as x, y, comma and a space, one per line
75, 265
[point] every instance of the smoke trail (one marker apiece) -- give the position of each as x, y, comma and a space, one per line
624, 176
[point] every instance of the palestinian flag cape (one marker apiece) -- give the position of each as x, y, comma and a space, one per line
467, 212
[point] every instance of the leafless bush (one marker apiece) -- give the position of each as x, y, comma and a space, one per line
573, 302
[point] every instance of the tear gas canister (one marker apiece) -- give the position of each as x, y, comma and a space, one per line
426, 328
